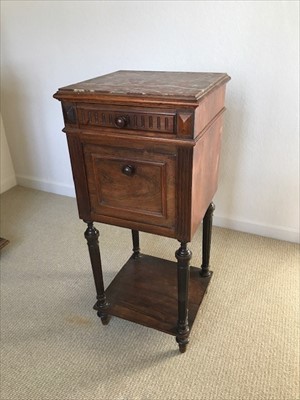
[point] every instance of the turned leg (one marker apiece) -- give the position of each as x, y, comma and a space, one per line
136, 244
92, 234
183, 255
206, 240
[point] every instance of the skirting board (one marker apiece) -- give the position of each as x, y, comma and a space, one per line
271, 231
7, 184
46, 186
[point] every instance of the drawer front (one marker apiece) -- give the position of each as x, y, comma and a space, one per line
131, 185
94, 116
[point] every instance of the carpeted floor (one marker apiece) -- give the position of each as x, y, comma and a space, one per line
244, 343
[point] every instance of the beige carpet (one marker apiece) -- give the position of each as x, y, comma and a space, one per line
244, 343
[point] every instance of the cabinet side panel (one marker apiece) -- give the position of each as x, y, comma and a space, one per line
208, 108
79, 176
205, 171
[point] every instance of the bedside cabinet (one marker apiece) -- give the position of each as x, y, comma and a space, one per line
144, 149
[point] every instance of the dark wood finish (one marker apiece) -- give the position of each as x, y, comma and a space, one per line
208, 108
92, 234
145, 291
79, 177
184, 193
94, 116
3, 243
183, 255
206, 240
185, 123
136, 243
144, 149
69, 113
143, 184
205, 171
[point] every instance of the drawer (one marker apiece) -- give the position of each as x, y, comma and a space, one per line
94, 116
131, 184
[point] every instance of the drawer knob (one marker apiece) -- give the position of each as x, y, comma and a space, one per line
121, 121
128, 170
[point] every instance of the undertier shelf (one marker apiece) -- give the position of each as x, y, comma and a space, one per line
145, 291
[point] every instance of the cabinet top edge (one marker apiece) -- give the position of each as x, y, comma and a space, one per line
145, 86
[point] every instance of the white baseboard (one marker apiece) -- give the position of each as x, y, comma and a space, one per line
276, 232
271, 231
8, 183
46, 186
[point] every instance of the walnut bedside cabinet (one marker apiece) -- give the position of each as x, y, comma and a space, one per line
144, 149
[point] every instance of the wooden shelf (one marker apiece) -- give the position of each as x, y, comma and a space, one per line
145, 292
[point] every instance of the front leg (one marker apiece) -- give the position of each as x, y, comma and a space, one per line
183, 255
92, 234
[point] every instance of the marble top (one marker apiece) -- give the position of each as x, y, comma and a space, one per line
185, 85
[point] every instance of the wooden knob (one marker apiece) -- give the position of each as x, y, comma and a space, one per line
128, 170
121, 121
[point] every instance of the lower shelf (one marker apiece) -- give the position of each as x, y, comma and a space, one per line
145, 292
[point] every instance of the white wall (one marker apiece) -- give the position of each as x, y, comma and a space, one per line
49, 44
7, 172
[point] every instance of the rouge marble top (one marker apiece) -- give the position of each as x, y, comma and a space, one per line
174, 85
